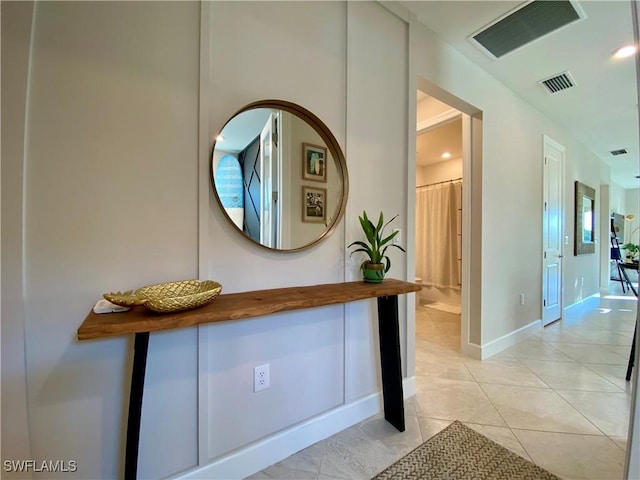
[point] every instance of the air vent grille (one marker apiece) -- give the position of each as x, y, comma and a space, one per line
622, 151
559, 82
524, 25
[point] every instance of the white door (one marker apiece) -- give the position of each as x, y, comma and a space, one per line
270, 184
552, 231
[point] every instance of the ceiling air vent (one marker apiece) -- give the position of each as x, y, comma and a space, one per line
559, 82
622, 151
524, 25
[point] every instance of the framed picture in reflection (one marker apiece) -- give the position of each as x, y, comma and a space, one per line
314, 205
314, 159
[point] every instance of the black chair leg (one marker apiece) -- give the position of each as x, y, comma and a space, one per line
620, 276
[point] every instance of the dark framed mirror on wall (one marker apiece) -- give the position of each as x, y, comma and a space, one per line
279, 175
585, 205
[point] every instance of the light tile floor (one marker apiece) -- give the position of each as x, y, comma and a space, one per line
558, 398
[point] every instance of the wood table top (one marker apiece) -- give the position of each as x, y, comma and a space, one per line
236, 306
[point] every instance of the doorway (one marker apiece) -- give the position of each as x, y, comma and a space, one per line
438, 226
469, 239
438, 256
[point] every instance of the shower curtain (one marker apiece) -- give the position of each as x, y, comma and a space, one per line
438, 235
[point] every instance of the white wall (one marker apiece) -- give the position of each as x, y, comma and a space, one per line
512, 169
377, 122
617, 202
109, 203
16, 32
439, 172
116, 196
234, 349
336, 343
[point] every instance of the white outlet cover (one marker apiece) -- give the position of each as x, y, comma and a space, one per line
398, 238
261, 378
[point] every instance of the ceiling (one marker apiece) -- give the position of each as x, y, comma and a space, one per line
601, 110
430, 145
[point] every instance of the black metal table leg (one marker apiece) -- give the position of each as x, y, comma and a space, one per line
388, 329
140, 349
635, 329
632, 354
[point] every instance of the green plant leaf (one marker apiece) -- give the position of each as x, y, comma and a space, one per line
385, 225
389, 238
377, 243
358, 242
368, 229
380, 222
384, 250
365, 250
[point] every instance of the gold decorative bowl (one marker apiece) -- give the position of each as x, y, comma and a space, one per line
178, 296
124, 299
168, 297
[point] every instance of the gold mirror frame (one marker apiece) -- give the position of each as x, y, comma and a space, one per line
333, 147
584, 233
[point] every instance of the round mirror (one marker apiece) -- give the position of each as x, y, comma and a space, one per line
279, 175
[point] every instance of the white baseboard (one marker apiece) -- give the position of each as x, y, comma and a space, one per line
472, 350
510, 339
279, 446
581, 302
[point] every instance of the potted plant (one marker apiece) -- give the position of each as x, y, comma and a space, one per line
632, 251
375, 247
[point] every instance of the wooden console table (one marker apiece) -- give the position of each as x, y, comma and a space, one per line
236, 306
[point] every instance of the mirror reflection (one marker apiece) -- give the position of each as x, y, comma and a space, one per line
279, 175
587, 219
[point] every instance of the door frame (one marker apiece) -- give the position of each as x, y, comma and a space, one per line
471, 296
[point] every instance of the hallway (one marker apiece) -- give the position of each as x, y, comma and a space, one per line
557, 398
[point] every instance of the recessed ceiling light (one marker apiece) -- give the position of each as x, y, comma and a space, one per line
219, 138
446, 155
625, 51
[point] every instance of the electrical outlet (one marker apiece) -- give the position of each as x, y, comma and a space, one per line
397, 240
261, 377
